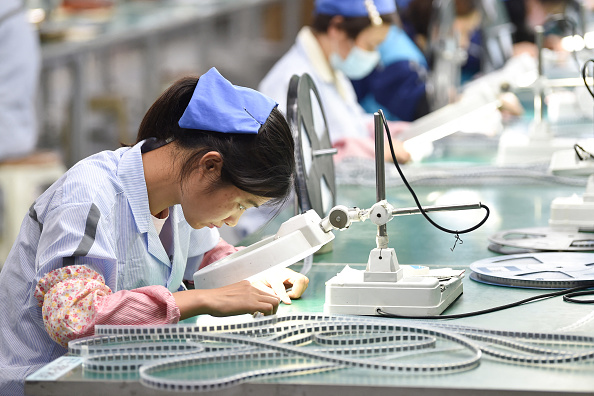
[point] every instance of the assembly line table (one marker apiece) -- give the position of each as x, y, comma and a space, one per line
416, 242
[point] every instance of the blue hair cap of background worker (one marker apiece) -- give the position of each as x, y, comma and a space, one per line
353, 8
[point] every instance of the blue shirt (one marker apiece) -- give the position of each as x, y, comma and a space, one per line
398, 84
97, 215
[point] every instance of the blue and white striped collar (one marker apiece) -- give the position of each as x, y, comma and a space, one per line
131, 173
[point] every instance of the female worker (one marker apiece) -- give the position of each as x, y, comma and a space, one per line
399, 83
341, 43
113, 239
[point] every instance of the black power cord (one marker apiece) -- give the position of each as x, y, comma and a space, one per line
569, 297
582, 153
585, 78
585, 75
567, 294
456, 232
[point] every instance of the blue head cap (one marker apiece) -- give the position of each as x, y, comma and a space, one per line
219, 106
354, 8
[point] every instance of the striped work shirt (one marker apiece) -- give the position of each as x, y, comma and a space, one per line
96, 215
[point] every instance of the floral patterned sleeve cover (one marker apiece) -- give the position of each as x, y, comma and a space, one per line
74, 299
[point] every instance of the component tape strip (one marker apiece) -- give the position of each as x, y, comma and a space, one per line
330, 362
306, 343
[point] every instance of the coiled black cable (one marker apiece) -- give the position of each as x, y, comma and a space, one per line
456, 232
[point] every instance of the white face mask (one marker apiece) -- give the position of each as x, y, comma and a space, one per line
358, 64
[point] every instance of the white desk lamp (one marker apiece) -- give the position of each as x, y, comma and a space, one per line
384, 285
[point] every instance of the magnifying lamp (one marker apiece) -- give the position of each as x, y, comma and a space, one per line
382, 286
297, 238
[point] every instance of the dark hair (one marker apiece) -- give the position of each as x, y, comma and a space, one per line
465, 7
351, 25
555, 2
261, 164
419, 13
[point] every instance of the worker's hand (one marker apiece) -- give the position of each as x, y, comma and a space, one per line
396, 128
402, 156
510, 104
235, 299
278, 281
365, 148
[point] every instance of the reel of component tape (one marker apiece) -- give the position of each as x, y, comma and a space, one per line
571, 228
559, 270
527, 240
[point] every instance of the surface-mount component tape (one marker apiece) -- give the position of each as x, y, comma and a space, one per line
546, 270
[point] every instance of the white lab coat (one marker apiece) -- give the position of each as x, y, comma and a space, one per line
344, 115
19, 78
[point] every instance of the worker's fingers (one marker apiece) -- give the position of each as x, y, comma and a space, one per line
269, 305
261, 285
277, 284
298, 285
